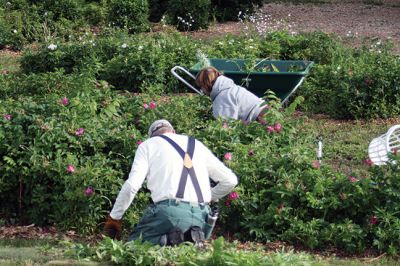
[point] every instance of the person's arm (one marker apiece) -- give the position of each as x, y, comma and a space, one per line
220, 173
138, 173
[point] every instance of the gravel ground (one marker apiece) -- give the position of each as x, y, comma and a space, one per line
355, 22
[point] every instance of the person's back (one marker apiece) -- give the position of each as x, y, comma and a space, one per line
165, 165
233, 101
229, 100
177, 169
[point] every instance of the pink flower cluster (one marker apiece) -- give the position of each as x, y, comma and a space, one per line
151, 105
250, 152
139, 142
352, 179
7, 117
368, 162
233, 196
64, 101
276, 128
89, 191
79, 131
373, 220
70, 168
316, 164
228, 156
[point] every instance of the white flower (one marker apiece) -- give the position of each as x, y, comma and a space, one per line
124, 45
15, 31
140, 47
52, 47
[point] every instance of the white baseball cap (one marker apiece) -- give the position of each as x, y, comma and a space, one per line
156, 125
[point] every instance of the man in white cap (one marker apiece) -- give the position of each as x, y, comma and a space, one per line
178, 170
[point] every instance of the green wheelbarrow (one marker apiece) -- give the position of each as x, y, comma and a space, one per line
283, 77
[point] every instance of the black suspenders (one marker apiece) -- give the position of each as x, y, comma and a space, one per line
187, 168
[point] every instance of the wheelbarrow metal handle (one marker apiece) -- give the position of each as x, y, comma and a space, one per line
293, 90
173, 71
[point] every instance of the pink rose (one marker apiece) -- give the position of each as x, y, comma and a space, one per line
225, 125
227, 202
251, 152
139, 142
79, 131
352, 179
368, 162
7, 117
70, 168
373, 220
270, 129
64, 101
234, 195
89, 191
277, 127
145, 106
316, 164
228, 156
152, 105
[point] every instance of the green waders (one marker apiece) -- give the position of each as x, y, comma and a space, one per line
160, 218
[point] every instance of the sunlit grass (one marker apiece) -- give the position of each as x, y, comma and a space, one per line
8, 62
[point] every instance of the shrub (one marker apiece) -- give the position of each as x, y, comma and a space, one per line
10, 38
157, 9
58, 9
228, 10
129, 14
189, 15
363, 85
95, 14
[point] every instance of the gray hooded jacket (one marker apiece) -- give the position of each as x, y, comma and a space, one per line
233, 101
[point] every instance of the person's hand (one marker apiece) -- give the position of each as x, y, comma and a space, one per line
113, 228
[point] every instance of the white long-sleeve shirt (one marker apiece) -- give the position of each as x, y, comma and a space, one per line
157, 161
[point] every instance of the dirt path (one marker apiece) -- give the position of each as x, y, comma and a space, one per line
354, 22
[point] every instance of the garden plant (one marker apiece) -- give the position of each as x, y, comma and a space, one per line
80, 103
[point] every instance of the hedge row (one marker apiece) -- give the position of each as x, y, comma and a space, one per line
344, 83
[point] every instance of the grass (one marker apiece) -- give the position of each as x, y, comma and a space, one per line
345, 142
8, 62
34, 252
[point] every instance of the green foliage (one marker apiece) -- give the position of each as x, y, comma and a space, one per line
218, 253
363, 84
189, 15
228, 10
157, 9
129, 14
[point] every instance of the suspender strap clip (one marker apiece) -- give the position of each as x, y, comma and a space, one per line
188, 169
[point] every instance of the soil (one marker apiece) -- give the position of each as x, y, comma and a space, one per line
356, 22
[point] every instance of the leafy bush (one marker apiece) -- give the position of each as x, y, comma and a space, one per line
157, 9
129, 14
228, 10
10, 38
58, 9
344, 83
363, 84
95, 14
189, 15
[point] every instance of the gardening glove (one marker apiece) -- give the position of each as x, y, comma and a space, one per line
113, 228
